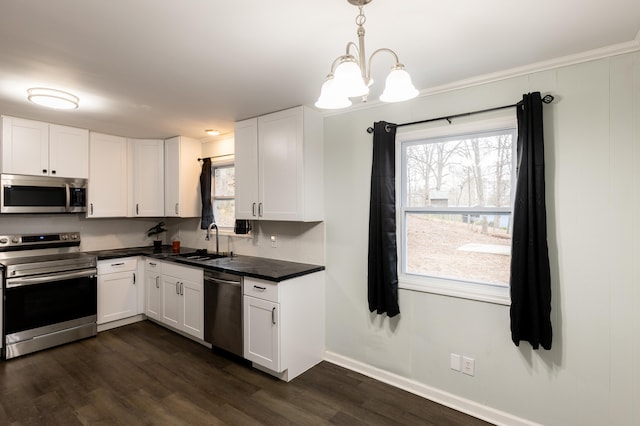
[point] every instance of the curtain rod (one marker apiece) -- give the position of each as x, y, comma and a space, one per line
215, 156
547, 99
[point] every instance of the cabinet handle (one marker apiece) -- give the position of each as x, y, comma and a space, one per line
177, 211
260, 209
91, 208
177, 287
44, 171
152, 264
136, 209
273, 315
181, 289
117, 264
53, 172
134, 278
157, 278
257, 287
253, 209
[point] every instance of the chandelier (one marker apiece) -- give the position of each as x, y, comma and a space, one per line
350, 75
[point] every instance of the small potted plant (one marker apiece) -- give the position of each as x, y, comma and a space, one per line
156, 230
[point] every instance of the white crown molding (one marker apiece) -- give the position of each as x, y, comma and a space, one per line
589, 55
480, 411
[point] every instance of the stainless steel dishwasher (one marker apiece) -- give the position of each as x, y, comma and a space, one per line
223, 311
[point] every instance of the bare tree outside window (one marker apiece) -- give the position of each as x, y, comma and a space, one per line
456, 206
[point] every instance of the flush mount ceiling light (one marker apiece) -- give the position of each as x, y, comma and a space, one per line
212, 132
52, 98
350, 76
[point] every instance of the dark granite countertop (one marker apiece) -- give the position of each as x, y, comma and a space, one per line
248, 266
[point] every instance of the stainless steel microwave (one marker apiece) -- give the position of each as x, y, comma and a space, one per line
42, 194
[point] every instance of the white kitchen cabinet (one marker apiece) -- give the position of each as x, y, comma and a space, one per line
284, 324
107, 192
42, 149
152, 289
182, 177
118, 289
146, 177
182, 298
279, 162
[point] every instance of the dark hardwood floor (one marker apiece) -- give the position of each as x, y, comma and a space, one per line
145, 374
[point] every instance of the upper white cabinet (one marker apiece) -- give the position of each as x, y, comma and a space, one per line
182, 177
42, 149
279, 162
107, 192
146, 177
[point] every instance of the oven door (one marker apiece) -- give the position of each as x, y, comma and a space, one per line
48, 310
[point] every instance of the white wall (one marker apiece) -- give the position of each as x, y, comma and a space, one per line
592, 374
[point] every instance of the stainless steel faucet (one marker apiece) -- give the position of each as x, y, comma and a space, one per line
208, 237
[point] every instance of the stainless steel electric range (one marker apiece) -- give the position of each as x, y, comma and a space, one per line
49, 289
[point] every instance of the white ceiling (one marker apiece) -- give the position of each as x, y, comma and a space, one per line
159, 68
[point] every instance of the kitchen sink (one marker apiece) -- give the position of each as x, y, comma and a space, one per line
201, 255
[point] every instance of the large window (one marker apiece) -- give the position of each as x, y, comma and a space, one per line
456, 192
224, 189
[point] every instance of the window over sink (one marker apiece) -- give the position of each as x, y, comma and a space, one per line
223, 197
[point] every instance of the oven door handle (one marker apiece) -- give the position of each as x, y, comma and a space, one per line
39, 279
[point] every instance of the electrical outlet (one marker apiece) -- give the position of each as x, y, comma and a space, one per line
455, 362
274, 241
468, 365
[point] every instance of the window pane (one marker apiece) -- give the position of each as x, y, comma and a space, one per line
224, 182
469, 247
224, 211
465, 171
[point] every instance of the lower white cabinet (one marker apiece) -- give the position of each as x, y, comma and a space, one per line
118, 289
153, 299
284, 324
175, 296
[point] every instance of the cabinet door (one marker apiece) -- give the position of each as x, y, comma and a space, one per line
117, 296
192, 308
146, 175
280, 161
182, 177
25, 147
153, 295
107, 194
262, 332
170, 312
68, 152
246, 169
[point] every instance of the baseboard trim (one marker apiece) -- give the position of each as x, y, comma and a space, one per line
447, 399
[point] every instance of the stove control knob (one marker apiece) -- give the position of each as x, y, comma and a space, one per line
74, 236
4, 240
64, 237
15, 240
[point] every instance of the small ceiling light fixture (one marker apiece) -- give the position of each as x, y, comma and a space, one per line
52, 98
351, 77
212, 132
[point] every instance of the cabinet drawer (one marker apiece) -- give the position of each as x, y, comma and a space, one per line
182, 272
117, 265
153, 265
261, 289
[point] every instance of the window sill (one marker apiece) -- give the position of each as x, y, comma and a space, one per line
453, 288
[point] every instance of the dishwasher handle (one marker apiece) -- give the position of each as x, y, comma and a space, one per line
221, 281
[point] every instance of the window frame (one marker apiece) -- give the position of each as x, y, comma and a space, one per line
437, 285
229, 162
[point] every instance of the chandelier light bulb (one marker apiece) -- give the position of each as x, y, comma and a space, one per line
330, 96
348, 78
398, 86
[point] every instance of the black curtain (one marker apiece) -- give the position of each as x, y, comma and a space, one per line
383, 255
530, 276
205, 194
